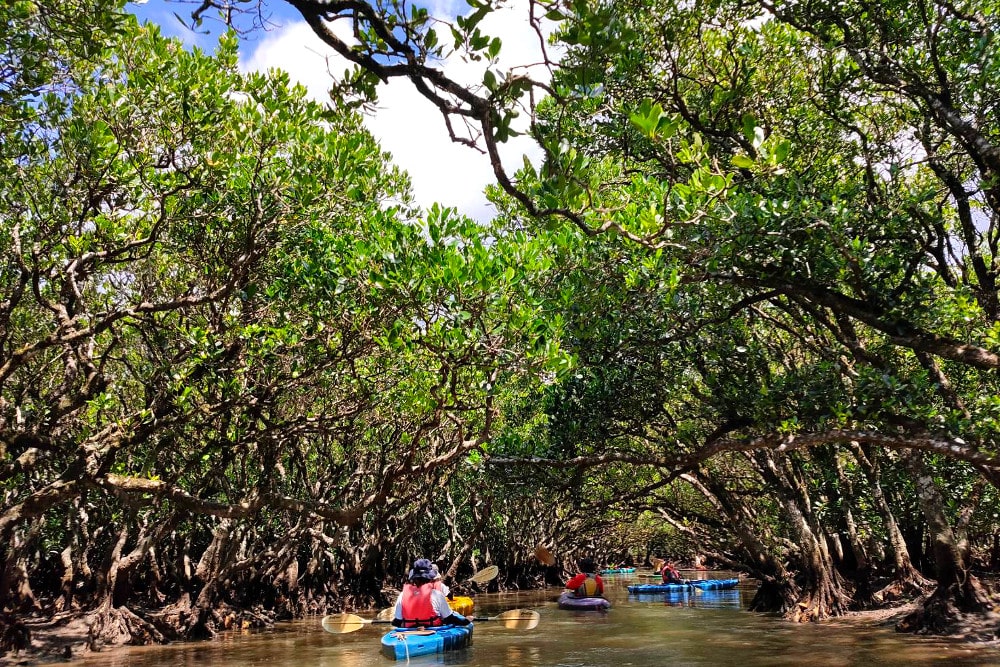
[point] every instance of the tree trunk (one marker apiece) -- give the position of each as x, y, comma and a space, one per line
958, 592
821, 588
15, 589
858, 550
908, 581
778, 591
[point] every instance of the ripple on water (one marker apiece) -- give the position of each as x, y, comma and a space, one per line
678, 631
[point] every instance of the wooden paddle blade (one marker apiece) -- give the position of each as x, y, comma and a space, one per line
339, 624
544, 556
518, 619
385, 614
486, 574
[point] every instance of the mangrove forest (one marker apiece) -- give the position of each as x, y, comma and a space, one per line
742, 308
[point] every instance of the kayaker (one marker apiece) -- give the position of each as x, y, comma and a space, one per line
421, 604
586, 584
439, 582
671, 575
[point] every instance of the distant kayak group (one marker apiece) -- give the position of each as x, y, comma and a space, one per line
427, 620
585, 591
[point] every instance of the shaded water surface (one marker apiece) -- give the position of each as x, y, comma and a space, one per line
709, 628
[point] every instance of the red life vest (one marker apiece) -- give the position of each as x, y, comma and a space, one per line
417, 608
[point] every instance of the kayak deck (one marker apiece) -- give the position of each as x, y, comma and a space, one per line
405, 643
567, 601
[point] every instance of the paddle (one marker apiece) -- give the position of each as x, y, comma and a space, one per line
515, 619
544, 556
484, 575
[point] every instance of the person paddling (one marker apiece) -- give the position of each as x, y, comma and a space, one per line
586, 584
671, 575
421, 604
439, 582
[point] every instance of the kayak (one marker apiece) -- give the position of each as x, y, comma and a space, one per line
404, 643
703, 584
567, 601
461, 604
618, 570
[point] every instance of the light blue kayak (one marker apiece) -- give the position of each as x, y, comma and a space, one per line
618, 570
703, 584
404, 643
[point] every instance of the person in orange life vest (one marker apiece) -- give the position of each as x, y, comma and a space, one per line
671, 575
421, 604
586, 584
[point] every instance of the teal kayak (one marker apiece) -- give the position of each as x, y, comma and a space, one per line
404, 643
703, 584
618, 570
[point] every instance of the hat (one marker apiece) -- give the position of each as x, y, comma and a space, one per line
422, 569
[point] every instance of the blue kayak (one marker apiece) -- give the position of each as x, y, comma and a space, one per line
567, 601
404, 643
618, 570
703, 584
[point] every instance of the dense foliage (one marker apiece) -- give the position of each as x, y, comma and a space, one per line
237, 364
746, 310
782, 293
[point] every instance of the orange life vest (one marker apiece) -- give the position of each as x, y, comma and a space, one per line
417, 608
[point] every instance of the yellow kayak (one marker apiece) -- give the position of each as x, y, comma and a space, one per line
461, 604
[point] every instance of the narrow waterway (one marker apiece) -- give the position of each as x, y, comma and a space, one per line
702, 628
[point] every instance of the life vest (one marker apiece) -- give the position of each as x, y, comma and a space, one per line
417, 608
588, 589
670, 574
439, 586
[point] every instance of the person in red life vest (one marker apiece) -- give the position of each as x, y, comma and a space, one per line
421, 604
671, 575
586, 584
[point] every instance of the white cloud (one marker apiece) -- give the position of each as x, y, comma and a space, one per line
409, 126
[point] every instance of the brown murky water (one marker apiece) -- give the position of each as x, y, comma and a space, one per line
710, 628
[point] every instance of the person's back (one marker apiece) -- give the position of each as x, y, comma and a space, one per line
422, 604
586, 584
671, 575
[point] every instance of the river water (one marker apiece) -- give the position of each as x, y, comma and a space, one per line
702, 628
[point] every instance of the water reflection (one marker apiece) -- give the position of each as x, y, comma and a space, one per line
711, 599
711, 628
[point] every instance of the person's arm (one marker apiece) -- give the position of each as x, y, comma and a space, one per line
576, 582
397, 612
443, 609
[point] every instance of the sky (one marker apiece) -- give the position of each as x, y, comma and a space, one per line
407, 126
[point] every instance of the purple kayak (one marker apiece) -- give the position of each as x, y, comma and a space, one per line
568, 601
